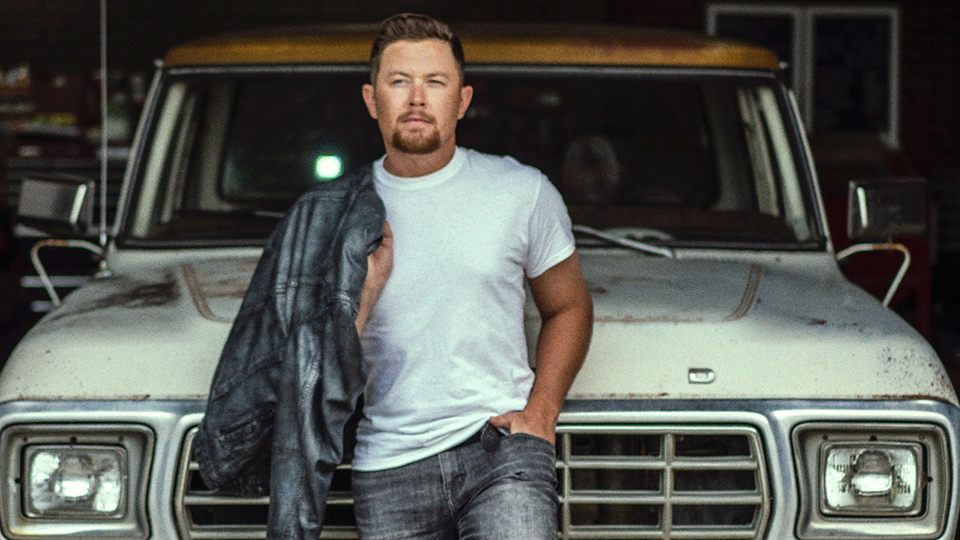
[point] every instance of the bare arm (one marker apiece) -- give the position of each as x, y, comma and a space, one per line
379, 266
566, 309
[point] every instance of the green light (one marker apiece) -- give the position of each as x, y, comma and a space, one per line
328, 167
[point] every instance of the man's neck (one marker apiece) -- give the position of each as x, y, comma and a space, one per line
407, 165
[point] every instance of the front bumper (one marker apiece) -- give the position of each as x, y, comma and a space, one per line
778, 495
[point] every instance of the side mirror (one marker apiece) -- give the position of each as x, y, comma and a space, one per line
880, 209
58, 205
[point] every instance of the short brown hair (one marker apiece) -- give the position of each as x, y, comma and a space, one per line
413, 27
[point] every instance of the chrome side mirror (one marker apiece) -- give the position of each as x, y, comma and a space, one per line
880, 209
58, 205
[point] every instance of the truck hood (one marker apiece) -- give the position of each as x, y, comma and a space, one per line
674, 329
151, 331
788, 327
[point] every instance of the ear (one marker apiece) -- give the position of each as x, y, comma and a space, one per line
370, 99
466, 94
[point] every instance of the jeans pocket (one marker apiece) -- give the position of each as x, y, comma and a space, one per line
524, 438
536, 454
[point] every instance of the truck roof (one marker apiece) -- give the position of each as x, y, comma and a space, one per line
484, 44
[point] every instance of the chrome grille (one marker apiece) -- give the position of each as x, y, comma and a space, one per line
615, 482
630, 482
204, 515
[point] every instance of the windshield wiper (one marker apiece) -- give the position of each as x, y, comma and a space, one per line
633, 244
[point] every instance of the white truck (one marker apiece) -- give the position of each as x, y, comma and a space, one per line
737, 386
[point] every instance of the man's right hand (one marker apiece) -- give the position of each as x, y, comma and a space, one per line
379, 266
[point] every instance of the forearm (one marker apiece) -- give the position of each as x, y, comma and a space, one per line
367, 299
561, 349
566, 309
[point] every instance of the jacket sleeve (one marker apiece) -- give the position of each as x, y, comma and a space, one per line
232, 445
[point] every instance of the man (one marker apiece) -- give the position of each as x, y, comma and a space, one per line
456, 439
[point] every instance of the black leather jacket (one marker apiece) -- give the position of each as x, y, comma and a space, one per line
290, 373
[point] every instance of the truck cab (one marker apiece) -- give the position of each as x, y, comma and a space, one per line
737, 385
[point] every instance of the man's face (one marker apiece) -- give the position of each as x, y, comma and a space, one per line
417, 98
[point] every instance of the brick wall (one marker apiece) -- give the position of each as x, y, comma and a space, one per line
63, 35
667, 13
930, 68
59, 35
931, 83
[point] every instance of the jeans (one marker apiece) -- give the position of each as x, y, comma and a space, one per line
467, 493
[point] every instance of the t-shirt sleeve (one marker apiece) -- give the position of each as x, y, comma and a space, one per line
550, 235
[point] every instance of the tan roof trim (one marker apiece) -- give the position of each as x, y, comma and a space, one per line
510, 44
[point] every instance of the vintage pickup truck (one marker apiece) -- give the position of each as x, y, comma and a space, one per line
737, 386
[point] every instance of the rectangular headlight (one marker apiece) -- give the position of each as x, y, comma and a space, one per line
82, 481
878, 480
76, 481
871, 479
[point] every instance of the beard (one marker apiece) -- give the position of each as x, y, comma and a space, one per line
417, 142
420, 141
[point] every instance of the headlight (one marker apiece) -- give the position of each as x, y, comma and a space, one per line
75, 481
81, 481
875, 480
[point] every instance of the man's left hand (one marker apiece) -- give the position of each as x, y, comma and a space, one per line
527, 422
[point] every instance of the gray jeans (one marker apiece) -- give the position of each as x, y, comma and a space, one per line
467, 493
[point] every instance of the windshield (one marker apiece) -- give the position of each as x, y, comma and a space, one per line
658, 157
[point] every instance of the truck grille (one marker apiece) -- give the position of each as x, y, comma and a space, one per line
615, 482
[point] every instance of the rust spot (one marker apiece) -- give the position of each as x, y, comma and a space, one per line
749, 294
895, 397
619, 396
193, 284
817, 322
135, 295
637, 320
203, 287
149, 295
614, 281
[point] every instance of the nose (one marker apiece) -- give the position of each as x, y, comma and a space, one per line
417, 96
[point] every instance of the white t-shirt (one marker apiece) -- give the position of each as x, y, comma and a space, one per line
444, 346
